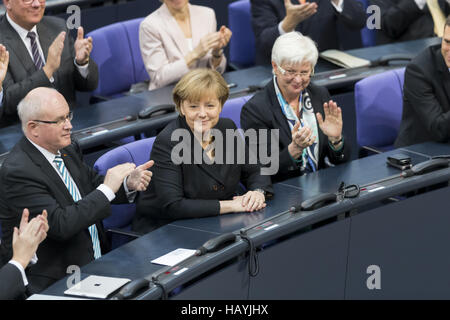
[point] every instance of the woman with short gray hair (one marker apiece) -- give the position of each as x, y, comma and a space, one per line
309, 122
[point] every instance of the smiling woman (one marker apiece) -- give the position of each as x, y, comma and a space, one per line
199, 98
310, 124
198, 189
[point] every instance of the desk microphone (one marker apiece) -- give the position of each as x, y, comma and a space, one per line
216, 243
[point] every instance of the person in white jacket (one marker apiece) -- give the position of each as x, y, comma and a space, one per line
179, 37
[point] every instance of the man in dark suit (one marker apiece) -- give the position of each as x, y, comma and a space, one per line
41, 55
426, 95
332, 24
25, 243
45, 170
403, 20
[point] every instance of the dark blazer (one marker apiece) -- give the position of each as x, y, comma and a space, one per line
426, 100
263, 111
11, 281
328, 28
402, 20
191, 190
22, 75
27, 180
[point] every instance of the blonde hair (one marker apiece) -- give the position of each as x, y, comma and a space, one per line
198, 83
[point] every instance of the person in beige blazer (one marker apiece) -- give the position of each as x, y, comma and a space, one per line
179, 37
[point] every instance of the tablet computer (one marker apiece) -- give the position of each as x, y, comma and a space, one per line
96, 287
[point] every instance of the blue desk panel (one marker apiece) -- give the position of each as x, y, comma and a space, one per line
132, 260
361, 171
409, 242
311, 265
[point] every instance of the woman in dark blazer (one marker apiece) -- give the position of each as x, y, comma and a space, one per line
309, 123
192, 177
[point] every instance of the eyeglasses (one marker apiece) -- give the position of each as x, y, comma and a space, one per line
60, 121
292, 74
31, 1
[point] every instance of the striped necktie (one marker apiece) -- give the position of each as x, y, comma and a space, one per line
35, 51
70, 184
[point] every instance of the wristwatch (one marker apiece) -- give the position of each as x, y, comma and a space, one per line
335, 143
218, 55
260, 190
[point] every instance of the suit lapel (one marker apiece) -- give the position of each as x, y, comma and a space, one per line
174, 30
196, 27
280, 121
15, 45
55, 182
213, 170
443, 69
45, 38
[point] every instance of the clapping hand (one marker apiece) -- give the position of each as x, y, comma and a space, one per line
139, 178
27, 238
4, 60
54, 55
208, 42
331, 126
225, 36
296, 13
303, 138
83, 48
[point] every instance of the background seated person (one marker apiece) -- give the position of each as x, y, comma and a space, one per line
45, 170
42, 54
404, 20
179, 37
332, 24
309, 122
426, 100
192, 188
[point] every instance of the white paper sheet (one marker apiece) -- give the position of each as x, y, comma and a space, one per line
174, 257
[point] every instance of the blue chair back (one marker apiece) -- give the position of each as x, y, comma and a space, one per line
137, 152
242, 43
379, 106
117, 54
132, 30
232, 109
